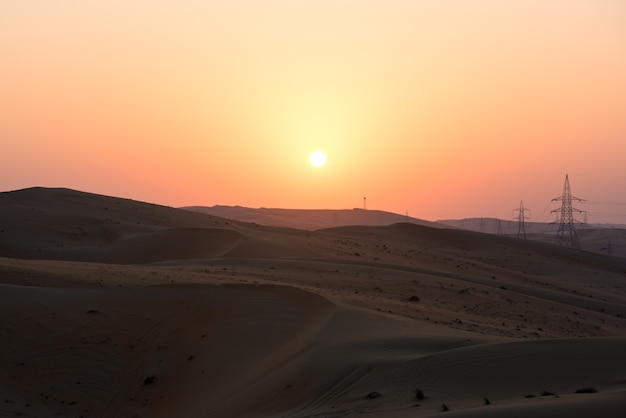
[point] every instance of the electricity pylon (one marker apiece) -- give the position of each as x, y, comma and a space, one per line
566, 235
521, 226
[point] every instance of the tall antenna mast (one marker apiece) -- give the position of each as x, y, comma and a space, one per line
521, 216
566, 235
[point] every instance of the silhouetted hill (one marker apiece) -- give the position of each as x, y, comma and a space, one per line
310, 219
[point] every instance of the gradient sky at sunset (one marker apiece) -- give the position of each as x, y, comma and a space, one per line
444, 109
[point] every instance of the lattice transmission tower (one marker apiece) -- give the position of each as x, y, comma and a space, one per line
521, 216
566, 235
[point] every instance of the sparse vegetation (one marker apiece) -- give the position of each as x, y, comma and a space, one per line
586, 390
547, 393
148, 380
444, 407
373, 395
486, 401
414, 299
419, 395
531, 396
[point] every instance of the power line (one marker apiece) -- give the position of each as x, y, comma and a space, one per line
600, 203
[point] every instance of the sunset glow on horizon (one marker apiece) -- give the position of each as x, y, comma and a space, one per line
442, 109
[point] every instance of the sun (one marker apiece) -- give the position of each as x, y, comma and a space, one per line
317, 158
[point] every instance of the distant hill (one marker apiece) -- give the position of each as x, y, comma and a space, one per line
592, 237
310, 219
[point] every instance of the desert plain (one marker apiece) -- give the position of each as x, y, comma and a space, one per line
117, 308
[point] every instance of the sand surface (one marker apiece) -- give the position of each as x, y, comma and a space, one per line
113, 307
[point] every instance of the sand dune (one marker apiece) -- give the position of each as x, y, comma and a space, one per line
114, 307
92, 351
227, 351
65, 224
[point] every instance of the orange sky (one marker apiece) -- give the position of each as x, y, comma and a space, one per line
444, 109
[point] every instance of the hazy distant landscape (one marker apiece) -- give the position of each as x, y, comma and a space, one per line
115, 307
310, 219
595, 238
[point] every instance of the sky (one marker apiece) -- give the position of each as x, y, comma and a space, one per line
436, 108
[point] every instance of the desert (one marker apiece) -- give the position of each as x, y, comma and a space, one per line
114, 307
312, 208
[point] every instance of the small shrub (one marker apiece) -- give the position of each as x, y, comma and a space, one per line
148, 380
419, 395
487, 402
444, 407
531, 396
546, 393
373, 395
587, 390
414, 299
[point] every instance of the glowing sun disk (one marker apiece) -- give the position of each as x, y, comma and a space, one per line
317, 158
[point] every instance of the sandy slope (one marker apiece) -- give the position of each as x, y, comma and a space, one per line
228, 351
90, 351
225, 319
